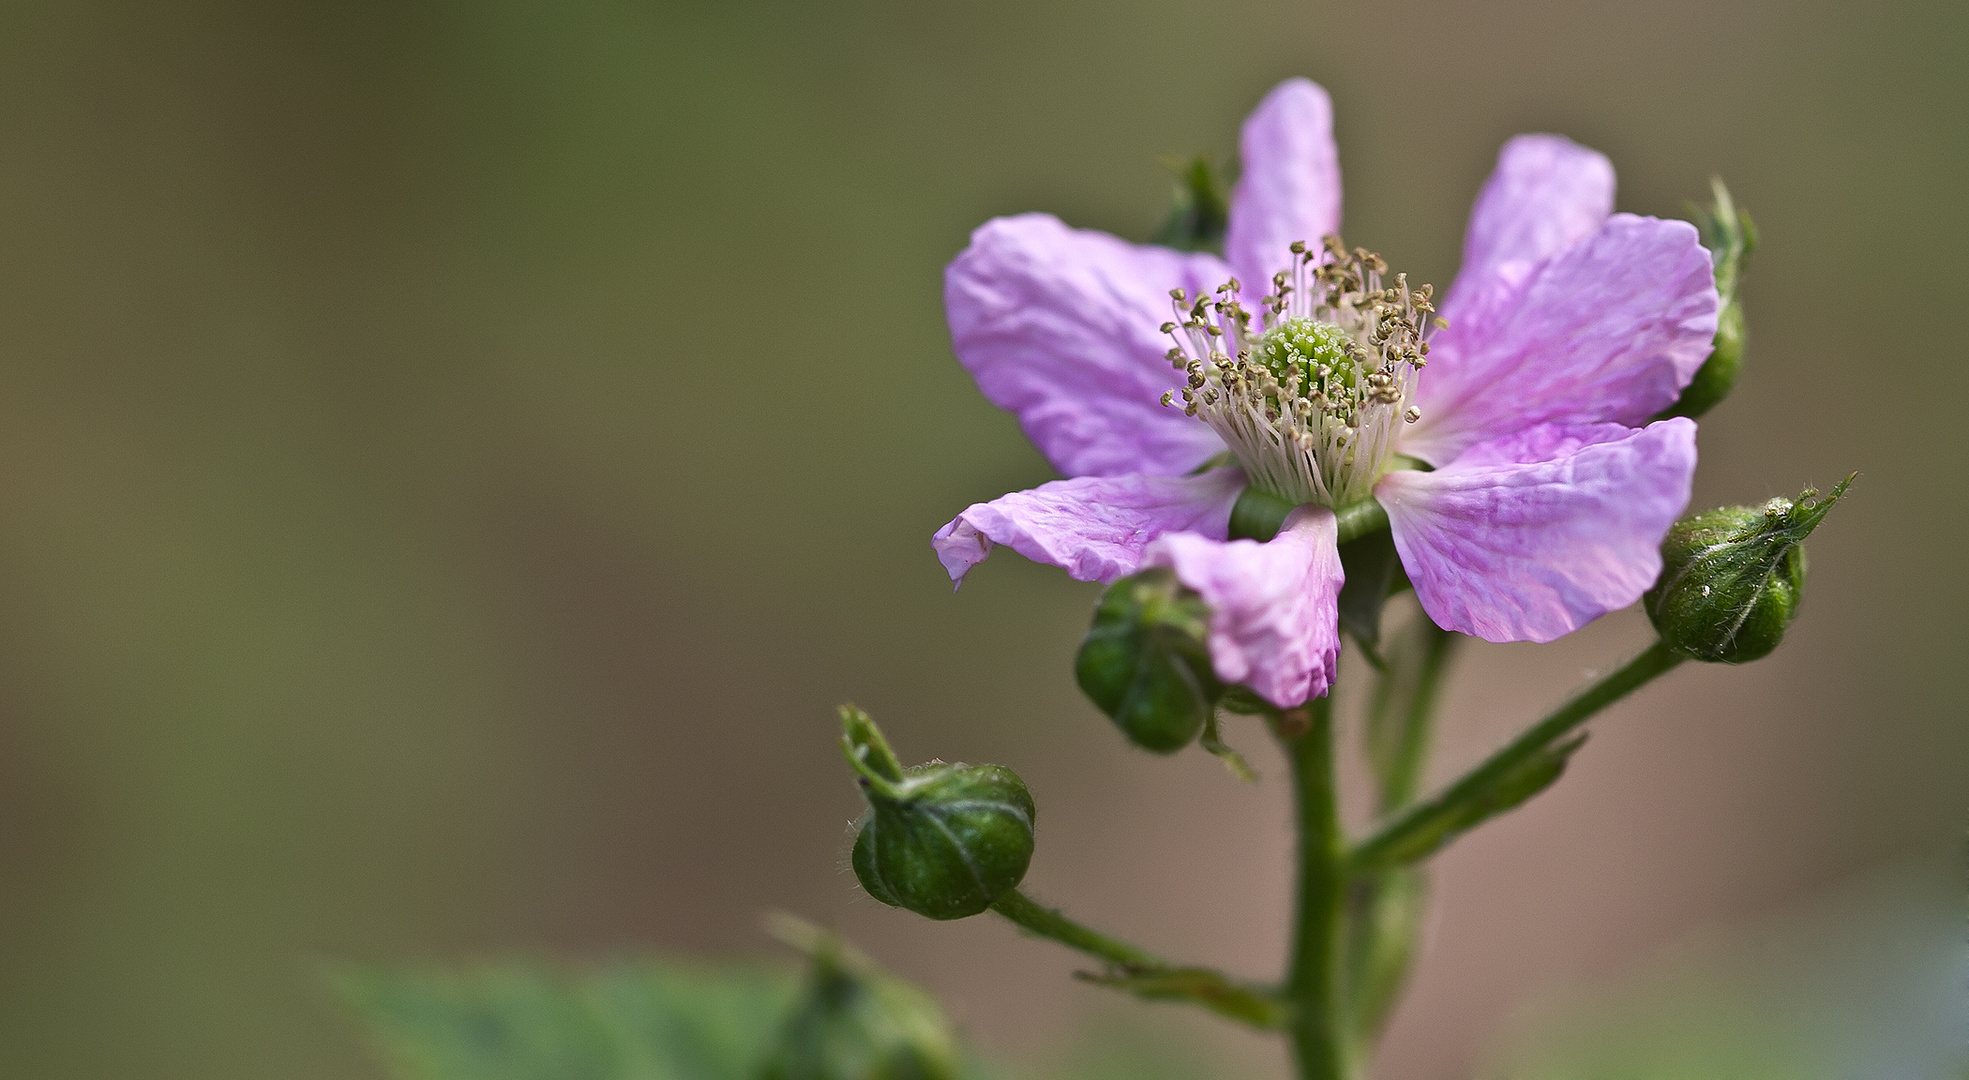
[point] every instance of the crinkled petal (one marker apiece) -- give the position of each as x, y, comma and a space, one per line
1274, 607
1609, 330
1095, 527
1546, 194
1290, 187
1530, 537
1059, 326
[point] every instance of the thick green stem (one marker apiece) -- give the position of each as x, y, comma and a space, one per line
1049, 923
1316, 982
1423, 815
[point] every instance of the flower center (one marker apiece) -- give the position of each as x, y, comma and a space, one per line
1311, 398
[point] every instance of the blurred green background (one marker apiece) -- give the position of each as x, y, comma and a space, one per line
453, 457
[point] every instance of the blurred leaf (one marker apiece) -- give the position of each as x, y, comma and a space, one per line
640, 1020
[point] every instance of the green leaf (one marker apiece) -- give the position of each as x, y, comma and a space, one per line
1449, 819
516, 1020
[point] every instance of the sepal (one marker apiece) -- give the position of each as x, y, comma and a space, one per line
1730, 236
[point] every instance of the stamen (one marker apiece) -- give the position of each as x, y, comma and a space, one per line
1311, 401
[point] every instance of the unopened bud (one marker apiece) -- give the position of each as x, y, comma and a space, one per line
1201, 209
1731, 578
854, 1021
1145, 663
943, 841
1730, 237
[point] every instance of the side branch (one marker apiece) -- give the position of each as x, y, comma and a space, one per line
1143, 974
1508, 777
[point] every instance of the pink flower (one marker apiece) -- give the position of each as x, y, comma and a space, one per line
1547, 493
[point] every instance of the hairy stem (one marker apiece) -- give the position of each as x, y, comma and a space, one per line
1316, 981
1050, 923
1423, 815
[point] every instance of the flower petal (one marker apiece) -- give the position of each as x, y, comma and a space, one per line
1530, 537
1059, 326
1095, 527
1290, 187
1274, 607
1546, 194
1610, 329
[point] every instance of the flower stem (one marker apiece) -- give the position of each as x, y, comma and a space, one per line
1386, 907
1316, 981
1050, 923
1420, 817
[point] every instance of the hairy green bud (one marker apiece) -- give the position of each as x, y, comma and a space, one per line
1145, 664
854, 1021
1730, 237
943, 841
1731, 578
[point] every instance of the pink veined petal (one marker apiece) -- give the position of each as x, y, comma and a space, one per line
1290, 186
1530, 537
1546, 194
1059, 326
1608, 330
1274, 607
1095, 527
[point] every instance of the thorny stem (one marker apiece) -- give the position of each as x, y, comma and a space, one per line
1315, 983
1656, 660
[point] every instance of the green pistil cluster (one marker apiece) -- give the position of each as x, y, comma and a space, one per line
1310, 393
1320, 353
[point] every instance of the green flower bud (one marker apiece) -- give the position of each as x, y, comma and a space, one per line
943, 841
1202, 206
854, 1021
1730, 237
1144, 661
1731, 578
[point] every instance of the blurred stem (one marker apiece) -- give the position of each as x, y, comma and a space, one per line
1401, 720
1422, 816
1385, 908
1050, 923
1316, 981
